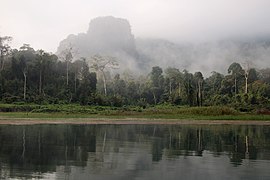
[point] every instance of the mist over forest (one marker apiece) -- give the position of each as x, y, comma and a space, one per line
109, 66
115, 89
110, 36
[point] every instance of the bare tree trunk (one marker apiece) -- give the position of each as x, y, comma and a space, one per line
235, 84
200, 93
246, 88
179, 89
155, 99
40, 82
24, 86
75, 83
170, 87
104, 83
197, 98
247, 69
70, 98
188, 93
67, 73
2, 63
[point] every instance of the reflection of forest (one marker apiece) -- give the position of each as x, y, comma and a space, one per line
44, 148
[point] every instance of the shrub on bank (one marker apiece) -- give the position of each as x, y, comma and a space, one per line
208, 111
17, 107
108, 110
184, 110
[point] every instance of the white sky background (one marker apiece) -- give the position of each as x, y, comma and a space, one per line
44, 23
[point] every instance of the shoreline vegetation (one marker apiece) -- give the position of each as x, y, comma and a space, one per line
38, 84
159, 114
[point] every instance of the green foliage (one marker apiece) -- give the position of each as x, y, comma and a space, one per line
202, 111
18, 107
39, 77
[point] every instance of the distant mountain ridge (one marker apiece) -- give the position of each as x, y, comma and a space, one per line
113, 36
106, 36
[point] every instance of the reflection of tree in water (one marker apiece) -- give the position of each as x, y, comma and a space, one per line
43, 148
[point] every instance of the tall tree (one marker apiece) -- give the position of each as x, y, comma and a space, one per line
67, 56
188, 81
214, 82
236, 70
157, 81
174, 80
199, 83
172, 74
87, 84
24, 69
40, 63
246, 74
4, 50
26, 57
119, 86
77, 67
100, 64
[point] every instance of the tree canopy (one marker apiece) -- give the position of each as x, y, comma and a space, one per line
35, 76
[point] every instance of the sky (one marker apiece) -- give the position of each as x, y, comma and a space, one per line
44, 23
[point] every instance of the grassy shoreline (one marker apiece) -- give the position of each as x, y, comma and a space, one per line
127, 121
159, 112
22, 115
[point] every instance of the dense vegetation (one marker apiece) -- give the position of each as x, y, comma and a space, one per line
37, 77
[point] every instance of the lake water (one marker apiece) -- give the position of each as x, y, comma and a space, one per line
148, 152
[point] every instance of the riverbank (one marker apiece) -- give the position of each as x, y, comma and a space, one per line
125, 121
107, 120
160, 114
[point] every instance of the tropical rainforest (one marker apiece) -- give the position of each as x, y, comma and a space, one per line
35, 76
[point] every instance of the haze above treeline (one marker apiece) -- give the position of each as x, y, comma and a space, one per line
43, 24
110, 36
198, 36
107, 66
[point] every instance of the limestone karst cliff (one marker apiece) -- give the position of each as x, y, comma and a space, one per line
110, 36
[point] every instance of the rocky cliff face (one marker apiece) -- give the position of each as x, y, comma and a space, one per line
109, 36
106, 36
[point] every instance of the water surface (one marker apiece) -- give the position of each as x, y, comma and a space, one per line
134, 152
